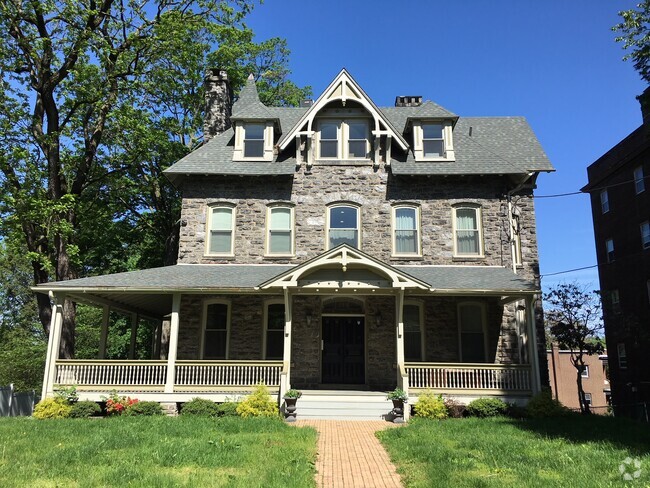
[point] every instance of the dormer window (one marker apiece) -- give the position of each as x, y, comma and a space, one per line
433, 140
253, 141
343, 139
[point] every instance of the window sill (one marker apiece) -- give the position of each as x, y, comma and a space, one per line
406, 257
468, 258
343, 162
280, 256
229, 257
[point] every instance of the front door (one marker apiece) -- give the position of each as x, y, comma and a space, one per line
343, 350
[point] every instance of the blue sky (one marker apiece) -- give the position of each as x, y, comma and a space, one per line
554, 62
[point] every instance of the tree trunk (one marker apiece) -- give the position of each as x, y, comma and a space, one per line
584, 408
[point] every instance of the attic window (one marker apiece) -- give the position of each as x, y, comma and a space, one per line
253, 141
433, 142
343, 139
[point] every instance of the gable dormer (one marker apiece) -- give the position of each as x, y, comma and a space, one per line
255, 126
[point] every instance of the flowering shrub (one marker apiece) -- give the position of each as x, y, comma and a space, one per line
116, 405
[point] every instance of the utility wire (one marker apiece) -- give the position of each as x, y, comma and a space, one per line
569, 271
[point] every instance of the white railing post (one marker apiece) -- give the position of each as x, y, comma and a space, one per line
532, 344
399, 332
53, 345
173, 343
103, 337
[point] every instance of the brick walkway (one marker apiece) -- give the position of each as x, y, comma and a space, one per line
350, 456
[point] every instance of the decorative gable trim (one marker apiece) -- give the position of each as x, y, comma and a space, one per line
345, 259
343, 88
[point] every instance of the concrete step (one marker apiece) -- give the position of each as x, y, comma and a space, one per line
342, 405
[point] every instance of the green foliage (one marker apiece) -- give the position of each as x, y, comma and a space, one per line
258, 404
430, 406
84, 409
397, 394
543, 405
67, 394
635, 37
292, 393
143, 409
455, 409
487, 407
22, 359
227, 409
52, 408
200, 407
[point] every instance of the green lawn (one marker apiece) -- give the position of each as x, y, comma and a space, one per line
570, 452
155, 452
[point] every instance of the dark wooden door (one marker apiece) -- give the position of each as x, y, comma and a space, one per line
343, 350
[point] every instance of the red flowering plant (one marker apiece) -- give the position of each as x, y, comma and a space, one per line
116, 405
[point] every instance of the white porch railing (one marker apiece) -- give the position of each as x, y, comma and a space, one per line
151, 375
228, 373
465, 376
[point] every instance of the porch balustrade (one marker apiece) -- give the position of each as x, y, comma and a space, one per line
228, 374
465, 376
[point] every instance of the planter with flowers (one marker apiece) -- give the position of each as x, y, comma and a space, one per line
290, 399
399, 398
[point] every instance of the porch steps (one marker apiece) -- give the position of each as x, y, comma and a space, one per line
343, 405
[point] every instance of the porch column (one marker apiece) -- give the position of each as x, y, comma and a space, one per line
134, 334
173, 344
402, 378
533, 354
285, 378
103, 336
53, 345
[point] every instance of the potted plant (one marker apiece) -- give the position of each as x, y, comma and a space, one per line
290, 398
399, 398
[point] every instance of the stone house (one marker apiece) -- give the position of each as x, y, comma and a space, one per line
336, 247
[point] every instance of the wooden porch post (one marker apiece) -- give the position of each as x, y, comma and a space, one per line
402, 379
53, 345
103, 336
173, 344
135, 319
532, 345
285, 380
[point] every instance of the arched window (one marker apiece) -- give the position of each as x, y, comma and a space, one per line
406, 230
221, 224
468, 231
343, 306
343, 226
280, 224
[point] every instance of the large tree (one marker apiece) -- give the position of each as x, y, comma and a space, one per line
575, 320
97, 99
635, 36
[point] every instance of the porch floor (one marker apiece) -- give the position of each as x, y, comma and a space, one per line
350, 455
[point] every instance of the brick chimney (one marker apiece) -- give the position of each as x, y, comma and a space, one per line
644, 100
218, 103
408, 101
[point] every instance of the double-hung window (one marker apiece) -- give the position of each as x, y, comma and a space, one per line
221, 221
274, 338
433, 142
609, 250
343, 226
645, 234
343, 139
216, 327
604, 201
468, 239
254, 140
622, 355
639, 181
280, 230
406, 234
471, 318
413, 332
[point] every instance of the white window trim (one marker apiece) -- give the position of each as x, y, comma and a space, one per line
604, 201
418, 229
272, 301
420, 306
240, 128
208, 235
621, 347
342, 133
479, 221
588, 398
460, 328
418, 142
204, 320
327, 221
607, 251
267, 238
585, 372
645, 244
637, 180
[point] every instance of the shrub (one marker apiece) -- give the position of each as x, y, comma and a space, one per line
258, 404
516, 412
455, 409
116, 405
144, 409
430, 406
200, 407
83, 410
487, 407
52, 408
68, 394
227, 409
543, 405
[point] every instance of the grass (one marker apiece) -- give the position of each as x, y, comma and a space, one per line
155, 452
577, 451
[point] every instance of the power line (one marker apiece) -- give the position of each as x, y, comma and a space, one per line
559, 195
569, 271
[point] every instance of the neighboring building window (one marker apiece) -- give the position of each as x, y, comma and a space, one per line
622, 355
280, 230
343, 226
406, 224
615, 300
433, 142
639, 182
274, 345
647, 285
254, 140
587, 399
467, 231
645, 234
216, 326
472, 333
604, 201
413, 332
584, 371
221, 225
609, 249
343, 139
